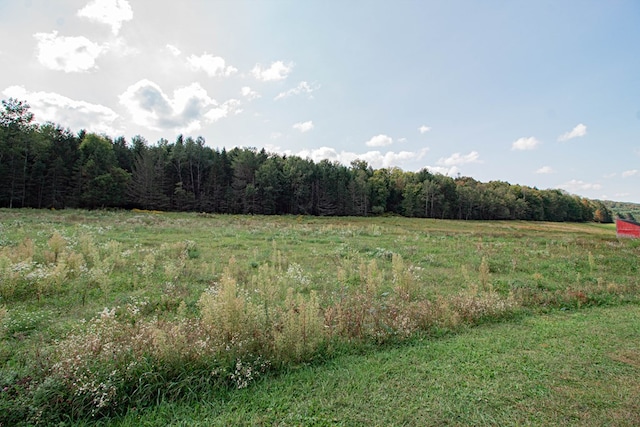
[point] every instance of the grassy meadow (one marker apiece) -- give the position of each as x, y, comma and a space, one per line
105, 315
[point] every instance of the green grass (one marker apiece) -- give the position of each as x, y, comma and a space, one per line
194, 295
566, 368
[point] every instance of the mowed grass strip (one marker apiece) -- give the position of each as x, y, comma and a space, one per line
566, 368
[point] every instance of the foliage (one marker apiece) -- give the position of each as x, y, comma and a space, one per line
623, 210
46, 166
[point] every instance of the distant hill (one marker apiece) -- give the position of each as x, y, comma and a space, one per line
623, 209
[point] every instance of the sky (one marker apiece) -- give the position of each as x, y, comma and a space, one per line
538, 93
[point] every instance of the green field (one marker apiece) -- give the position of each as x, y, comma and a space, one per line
185, 319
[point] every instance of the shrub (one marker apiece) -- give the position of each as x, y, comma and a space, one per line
57, 244
299, 331
474, 305
230, 320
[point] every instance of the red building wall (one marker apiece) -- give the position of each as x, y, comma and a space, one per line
627, 228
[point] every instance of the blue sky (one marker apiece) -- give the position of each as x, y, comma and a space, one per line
539, 93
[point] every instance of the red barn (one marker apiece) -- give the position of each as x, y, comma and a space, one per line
626, 228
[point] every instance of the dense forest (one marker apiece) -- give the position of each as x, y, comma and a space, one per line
48, 166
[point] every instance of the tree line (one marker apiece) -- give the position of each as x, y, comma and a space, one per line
48, 166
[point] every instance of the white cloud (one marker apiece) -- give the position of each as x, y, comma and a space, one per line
174, 50
74, 114
545, 170
423, 152
277, 71
212, 65
231, 106
184, 112
249, 93
577, 185
424, 129
321, 153
109, 12
119, 46
452, 171
304, 126
68, 54
375, 159
390, 158
580, 130
379, 141
629, 173
275, 135
457, 159
303, 87
529, 143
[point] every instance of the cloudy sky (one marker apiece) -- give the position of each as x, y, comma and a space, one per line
543, 93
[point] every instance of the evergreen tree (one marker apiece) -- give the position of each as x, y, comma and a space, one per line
15, 148
102, 182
